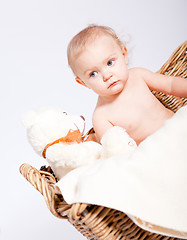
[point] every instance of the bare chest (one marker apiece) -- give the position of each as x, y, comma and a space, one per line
131, 106
138, 111
128, 113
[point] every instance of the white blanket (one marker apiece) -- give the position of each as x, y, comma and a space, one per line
151, 186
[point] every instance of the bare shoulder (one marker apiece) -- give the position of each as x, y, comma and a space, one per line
143, 75
155, 81
139, 71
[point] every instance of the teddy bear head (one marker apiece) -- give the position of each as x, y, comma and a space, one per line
59, 122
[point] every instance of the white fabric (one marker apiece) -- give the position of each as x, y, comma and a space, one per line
151, 184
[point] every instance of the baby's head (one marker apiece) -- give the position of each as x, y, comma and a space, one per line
84, 37
93, 52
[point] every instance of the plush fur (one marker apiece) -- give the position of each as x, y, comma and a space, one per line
57, 135
117, 141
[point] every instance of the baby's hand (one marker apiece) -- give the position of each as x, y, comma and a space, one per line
117, 141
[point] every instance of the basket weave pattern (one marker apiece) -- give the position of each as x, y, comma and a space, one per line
98, 222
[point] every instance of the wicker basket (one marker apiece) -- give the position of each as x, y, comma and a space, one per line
98, 222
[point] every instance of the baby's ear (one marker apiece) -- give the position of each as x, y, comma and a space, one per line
124, 52
29, 119
78, 80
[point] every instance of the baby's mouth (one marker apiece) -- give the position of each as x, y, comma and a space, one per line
112, 84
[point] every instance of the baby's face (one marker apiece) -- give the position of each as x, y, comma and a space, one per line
102, 66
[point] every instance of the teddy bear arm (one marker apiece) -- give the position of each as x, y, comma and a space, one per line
117, 141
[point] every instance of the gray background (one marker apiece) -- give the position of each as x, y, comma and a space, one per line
34, 73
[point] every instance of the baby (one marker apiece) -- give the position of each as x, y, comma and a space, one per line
99, 61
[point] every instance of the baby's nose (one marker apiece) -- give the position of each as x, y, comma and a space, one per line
106, 76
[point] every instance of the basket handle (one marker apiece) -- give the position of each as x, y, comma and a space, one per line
44, 182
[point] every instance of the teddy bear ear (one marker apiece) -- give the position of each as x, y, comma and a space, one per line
29, 119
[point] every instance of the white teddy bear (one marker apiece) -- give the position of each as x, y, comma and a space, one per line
58, 136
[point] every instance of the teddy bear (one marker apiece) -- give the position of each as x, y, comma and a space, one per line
59, 137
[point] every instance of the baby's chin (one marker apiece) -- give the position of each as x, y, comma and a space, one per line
116, 88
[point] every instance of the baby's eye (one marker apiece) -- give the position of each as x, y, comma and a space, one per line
93, 74
110, 62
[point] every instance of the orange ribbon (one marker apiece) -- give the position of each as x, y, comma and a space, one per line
72, 136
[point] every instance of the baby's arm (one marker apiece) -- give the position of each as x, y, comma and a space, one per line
176, 86
100, 123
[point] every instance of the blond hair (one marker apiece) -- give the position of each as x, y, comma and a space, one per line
78, 42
